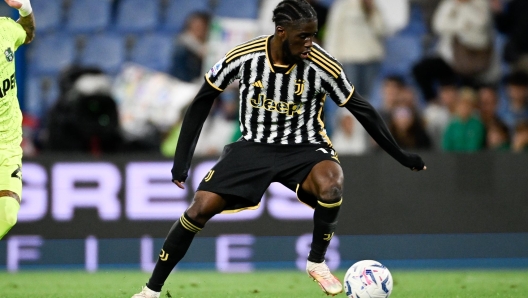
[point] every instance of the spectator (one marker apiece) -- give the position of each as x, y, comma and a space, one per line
407, 129
354, 35
349, 136
190, 48
465, 47
438, 113
512, 21
392, 89
488, 105
395, 14
517, 106
465, 132
497, 136
520, 137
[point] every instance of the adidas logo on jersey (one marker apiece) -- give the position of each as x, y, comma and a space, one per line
258, 84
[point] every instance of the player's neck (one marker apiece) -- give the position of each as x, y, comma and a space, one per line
276, 52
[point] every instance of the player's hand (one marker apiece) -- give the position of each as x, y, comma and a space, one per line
179, 184
14, 3
415, 162
23, 6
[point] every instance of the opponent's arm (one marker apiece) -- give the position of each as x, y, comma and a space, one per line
26, 20
190, 131
376, 127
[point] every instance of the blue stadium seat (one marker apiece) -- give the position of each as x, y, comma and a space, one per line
153, 51
41, 94
402, 52
87, 16
178, 10
104, 51
49, 15
51, 53
246, 9
416, 24
327, 3
138, 16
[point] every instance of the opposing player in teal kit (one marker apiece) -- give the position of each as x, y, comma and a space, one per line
12, 35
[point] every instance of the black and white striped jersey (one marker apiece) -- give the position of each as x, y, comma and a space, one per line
281, 104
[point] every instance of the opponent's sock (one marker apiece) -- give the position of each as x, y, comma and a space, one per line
8, 214
174, 248
325, 222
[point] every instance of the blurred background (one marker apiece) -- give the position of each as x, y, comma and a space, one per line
104, 85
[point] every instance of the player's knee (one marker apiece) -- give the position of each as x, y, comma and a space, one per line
8, 210
331, 193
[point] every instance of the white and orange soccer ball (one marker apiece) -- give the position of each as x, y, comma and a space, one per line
368, 279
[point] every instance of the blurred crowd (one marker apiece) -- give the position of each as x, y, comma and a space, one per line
466, 91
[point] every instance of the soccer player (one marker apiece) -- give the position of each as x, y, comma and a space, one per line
12, 35
284, 81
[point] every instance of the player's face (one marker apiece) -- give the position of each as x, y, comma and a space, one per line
299, 40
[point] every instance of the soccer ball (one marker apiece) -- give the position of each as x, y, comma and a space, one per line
368, 279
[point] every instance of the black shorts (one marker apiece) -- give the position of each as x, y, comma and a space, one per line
246, 169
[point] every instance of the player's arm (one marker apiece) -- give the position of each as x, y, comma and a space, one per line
190, 131
371, 120
26, 20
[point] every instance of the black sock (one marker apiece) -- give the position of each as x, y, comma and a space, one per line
174, 248
325, 222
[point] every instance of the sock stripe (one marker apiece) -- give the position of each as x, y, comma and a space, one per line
188, 225
331, 205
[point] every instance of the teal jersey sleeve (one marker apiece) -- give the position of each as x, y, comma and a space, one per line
12, 31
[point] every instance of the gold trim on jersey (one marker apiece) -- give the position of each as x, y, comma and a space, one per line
254, 46
321, 122
324, 62
244, 53
245, 45
291, 69
332, 205
212, 85
240, 209
268, 60
349, 96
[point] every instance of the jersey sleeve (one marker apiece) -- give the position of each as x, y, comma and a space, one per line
13, 31
339, 88
333, 79
223, 73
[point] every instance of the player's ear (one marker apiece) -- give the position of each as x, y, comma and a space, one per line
280, 31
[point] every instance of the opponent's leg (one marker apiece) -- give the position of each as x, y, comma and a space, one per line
325, 182
205, 205
9, 206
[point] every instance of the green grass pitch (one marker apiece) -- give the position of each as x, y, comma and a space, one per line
260, 284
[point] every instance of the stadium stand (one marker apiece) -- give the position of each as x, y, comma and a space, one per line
42, 91
138, 16
88, 16
153, 51
402, 51
49, 15
245, 9
51, 53
106, 51
177, 11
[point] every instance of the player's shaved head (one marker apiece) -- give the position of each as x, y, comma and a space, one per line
290, 12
